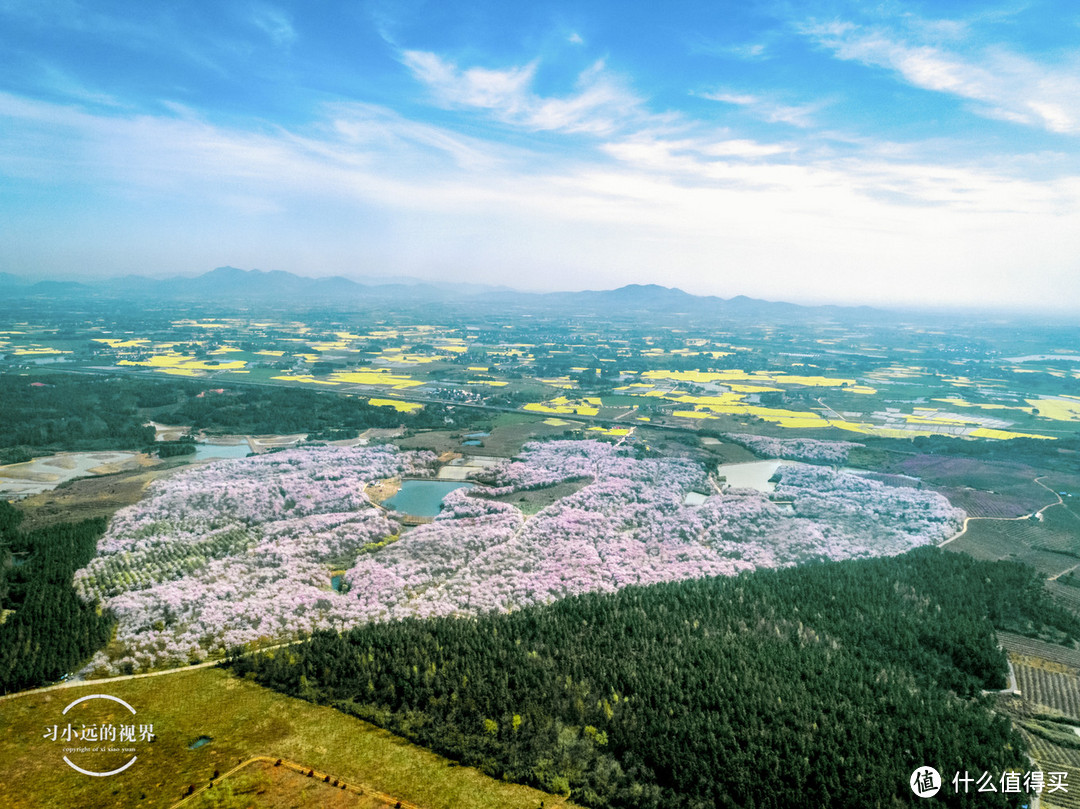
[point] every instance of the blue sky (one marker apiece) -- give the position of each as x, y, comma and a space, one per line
887, 153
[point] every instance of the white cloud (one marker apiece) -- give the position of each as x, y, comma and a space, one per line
600, 104
366, 186
1004, 84
767, 109
746, 51
506, 91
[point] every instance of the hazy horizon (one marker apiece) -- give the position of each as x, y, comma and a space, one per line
1004, 311
921, 155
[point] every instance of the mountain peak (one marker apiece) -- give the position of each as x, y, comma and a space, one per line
645, 290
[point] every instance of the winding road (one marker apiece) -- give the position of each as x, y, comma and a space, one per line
1034, 514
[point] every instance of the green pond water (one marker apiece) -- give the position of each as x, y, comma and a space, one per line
203, 451
423, 498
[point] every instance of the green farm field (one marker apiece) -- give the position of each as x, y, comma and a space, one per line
1046, 712
1049, 546
242, 721
268, 785
508, 433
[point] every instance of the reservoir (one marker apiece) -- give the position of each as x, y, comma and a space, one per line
1045, 358
47, 360
205, 451
752, 475
423, 498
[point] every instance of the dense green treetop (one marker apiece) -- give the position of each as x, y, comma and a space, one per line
823, 685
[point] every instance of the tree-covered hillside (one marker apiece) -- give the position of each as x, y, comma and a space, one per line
822, 685
47, 630
58, 412
63, 412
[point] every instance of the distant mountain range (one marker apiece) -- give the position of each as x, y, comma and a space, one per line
233, 288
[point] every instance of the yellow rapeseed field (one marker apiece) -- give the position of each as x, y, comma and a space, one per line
397, 404
562, 406
116, 342
183, 362
36, 351
614, 431
379, 376
307, 378
1061, 409
986, 432
957, 402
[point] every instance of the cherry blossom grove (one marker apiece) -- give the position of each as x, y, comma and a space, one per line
238, 551
814, 450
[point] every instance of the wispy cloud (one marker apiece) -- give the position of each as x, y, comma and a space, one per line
600, 104
630, 176
59, 81
275, 23
940, 56
748, 51
801, 115
504, 90
691, 202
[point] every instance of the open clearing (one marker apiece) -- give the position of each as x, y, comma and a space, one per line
267, 785
46, 473
1027, 541
982, 488
243, 720
533, 500
91, 497
509, 433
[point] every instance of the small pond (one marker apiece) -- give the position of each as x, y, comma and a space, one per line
752, 475
47, 360
423, 498
478, 435
199, 742
472, 443
335, 582
205, 451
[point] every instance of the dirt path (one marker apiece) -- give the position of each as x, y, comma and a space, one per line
964, 528
1036, 514
838, 415
105, 680
122, 677
1039, 481
358, 789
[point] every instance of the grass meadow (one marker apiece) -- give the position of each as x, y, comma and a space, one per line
242, 720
